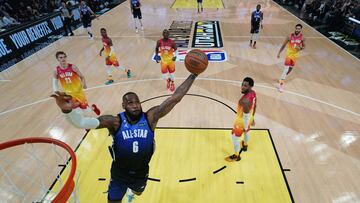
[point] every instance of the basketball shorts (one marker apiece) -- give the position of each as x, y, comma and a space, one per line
199, 1
117, 188
86, 21
112, 61
290, 61
255, 29
167, 67
137, 13
238, 128
80, 101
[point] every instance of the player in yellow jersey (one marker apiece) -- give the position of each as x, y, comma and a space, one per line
168, 54
244, 118
72, 82
296, 43
110, 57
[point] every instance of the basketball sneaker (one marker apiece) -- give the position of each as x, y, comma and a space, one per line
172, 86
244, 146
233, 157
281, 86
130, 195
109, 82
95, 109
128, 73
168, 83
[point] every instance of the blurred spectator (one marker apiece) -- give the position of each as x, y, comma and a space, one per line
65, 12
326, 12
28, 10
32, 14
7, 21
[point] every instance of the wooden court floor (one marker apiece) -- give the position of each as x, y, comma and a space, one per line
315, 123
186, 168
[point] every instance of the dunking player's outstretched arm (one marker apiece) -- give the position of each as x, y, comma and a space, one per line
112, 123
75, 117
157, 112
283, 46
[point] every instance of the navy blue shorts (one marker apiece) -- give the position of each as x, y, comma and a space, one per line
255, 29
137, 13
117, 188
199, 1
86, 22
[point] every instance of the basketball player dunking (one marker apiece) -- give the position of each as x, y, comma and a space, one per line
244, 118
296, 43
72, 82
256, 23
168, 54
133, 134
110, 57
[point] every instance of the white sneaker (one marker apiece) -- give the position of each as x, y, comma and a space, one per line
281, 87
130, 195
136, 30
130, 198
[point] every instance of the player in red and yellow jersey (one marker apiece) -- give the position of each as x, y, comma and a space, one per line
296, 43
168, 54
72, 82
110, 57
244, 118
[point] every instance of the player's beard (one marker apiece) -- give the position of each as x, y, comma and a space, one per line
134, 116
245, 91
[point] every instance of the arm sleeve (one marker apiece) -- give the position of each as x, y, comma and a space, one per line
78, 120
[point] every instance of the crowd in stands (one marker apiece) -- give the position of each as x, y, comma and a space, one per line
326, 12
14, 12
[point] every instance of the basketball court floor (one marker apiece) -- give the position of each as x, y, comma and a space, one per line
305, 145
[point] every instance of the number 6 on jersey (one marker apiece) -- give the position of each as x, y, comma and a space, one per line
135, 146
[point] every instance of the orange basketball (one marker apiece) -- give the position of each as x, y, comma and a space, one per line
196, 61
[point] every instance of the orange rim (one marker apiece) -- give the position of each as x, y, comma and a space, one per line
69, 185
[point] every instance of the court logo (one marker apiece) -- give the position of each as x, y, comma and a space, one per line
212, 54
180, 32
207, 35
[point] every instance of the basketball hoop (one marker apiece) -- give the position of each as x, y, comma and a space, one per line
37, 154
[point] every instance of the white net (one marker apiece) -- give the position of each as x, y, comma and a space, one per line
34, 172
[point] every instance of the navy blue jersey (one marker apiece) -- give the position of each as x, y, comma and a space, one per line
133, 147
134, 4
85, 11
256, 18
